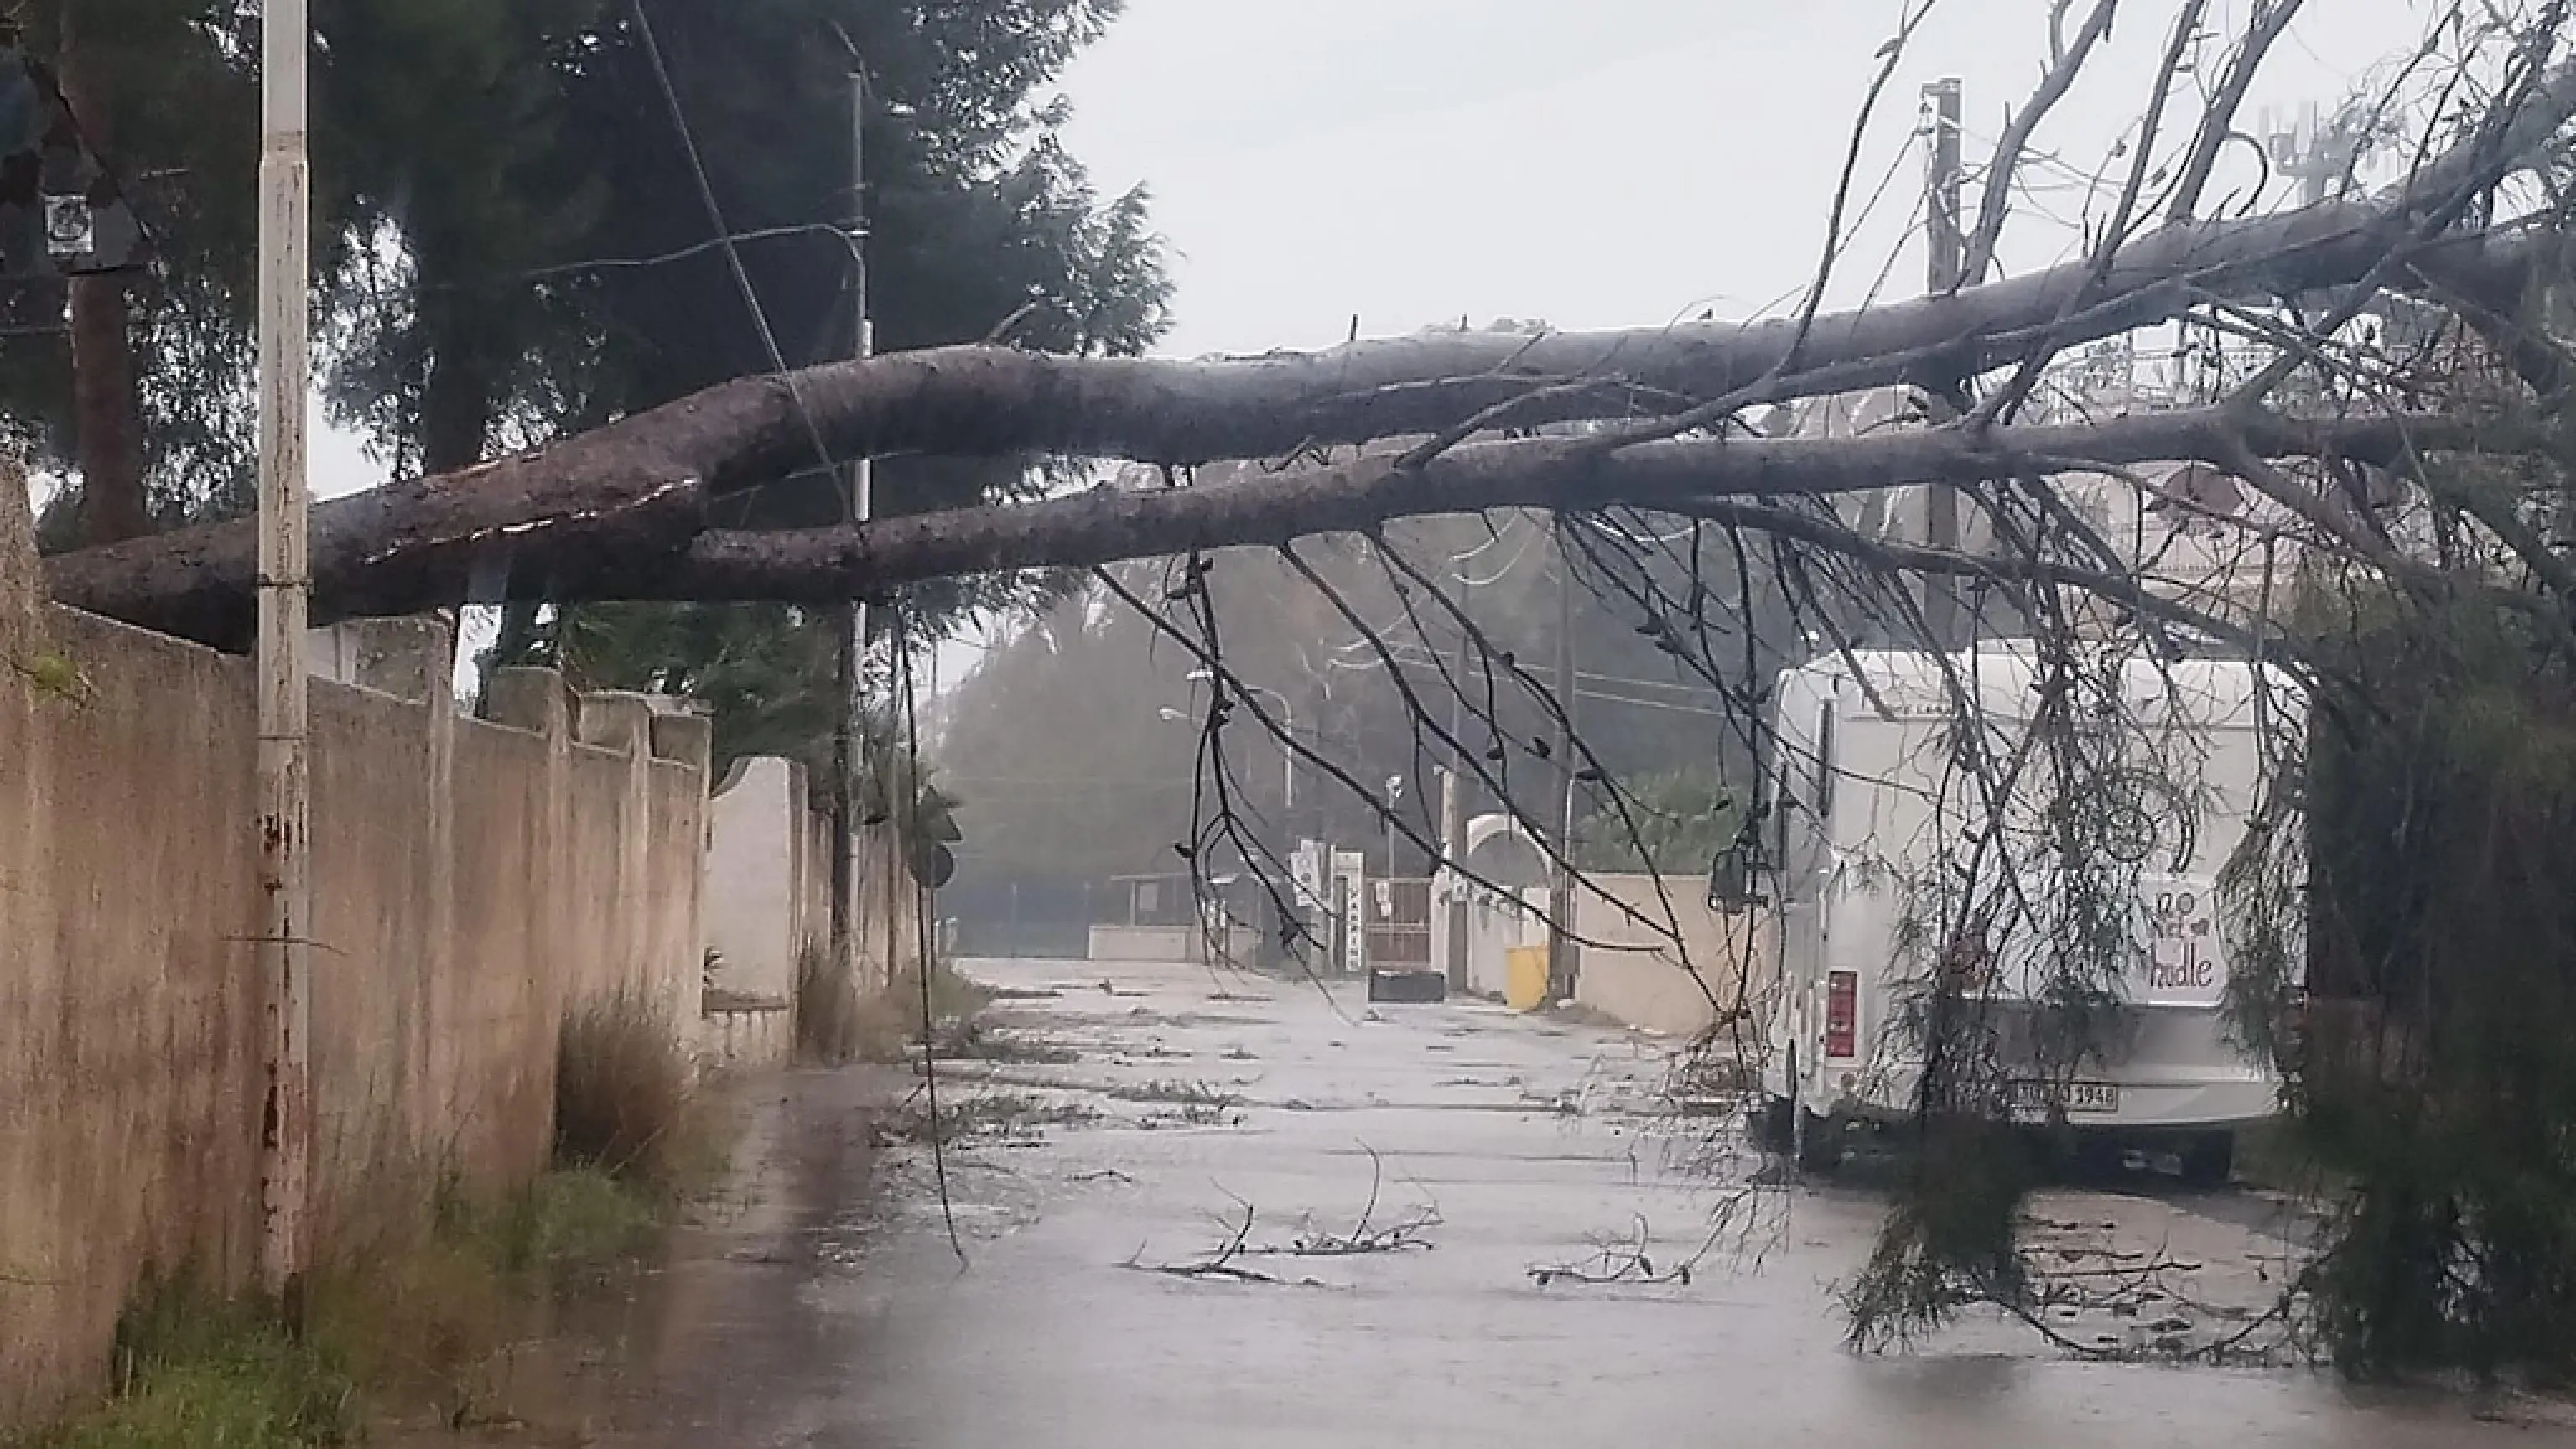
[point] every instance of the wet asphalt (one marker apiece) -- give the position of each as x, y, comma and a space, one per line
1199, 1208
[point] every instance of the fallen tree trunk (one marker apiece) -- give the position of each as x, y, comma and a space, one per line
637, 488
647, 548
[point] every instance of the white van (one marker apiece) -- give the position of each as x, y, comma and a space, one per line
1868, 819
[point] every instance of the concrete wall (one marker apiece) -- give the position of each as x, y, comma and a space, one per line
1495, 924
768, 903
472, 882
1170, 943
762, 909
1731, 959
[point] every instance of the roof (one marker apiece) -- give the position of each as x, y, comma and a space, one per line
2001, 677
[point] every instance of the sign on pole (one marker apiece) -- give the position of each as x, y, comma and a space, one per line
61, 214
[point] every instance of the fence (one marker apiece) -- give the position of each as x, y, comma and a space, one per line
1025, 916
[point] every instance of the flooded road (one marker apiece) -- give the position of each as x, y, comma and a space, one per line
1151, 1146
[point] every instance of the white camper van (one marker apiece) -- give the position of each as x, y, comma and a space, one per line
1868, 816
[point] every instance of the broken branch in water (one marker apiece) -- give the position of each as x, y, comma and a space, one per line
1406, 1232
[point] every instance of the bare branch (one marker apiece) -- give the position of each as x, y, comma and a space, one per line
2217, 126
2066, 62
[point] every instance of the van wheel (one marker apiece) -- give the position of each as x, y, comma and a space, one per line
1775, 1126
2098, 1155
1820, 1142
2209, 1159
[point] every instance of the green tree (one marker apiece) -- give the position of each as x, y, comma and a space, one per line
980, 225
149, 412
445, 123
1683, 818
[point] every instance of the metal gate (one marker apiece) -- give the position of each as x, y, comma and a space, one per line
1020, 916
1399, 925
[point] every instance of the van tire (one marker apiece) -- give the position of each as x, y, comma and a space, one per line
1819, 1146
2209, 1159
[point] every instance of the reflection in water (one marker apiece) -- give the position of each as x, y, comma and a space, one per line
821, 1307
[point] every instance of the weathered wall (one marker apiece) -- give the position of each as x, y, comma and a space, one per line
761, 915
472, 882
1495, 924
768, 904
1630, 973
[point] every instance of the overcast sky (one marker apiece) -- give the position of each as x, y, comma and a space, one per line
1589, 163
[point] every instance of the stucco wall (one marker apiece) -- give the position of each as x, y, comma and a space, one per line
759, 835
472, 881
1646, 985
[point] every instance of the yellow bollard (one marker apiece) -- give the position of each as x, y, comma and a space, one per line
1525, 977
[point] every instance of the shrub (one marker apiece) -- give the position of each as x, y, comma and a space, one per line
622, 1095
827, 1009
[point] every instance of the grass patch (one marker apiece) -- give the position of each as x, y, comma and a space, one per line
889, 1026
194, 1369
428, 1286
404, 1329
624, 1099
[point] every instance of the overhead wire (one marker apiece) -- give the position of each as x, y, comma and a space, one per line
724, 239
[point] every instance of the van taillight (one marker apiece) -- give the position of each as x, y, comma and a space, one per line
1842, 1013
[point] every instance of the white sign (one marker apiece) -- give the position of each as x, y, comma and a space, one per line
2175, 956
2185, 963
1306, 872
1350, 875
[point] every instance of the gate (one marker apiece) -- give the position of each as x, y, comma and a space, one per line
1020, 916
1399, 925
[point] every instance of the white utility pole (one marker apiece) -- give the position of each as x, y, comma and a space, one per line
848, 740
1947, 233
285, 855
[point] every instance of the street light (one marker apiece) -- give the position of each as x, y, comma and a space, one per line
1394, 793
1287, 730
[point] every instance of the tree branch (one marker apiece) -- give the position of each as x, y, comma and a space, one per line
1996, 203
1106, 525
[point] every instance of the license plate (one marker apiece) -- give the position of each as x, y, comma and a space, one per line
2078, 1099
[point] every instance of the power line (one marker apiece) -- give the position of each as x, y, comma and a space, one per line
849, 234
1416, 656
724, 235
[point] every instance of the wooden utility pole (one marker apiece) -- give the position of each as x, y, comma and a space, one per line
850, 655
107, 428
1947, 239
1560, 894
285, 858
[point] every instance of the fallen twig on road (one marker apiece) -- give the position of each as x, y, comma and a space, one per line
1627, 1259
1395, 1237
1221, 1263
1365, 1236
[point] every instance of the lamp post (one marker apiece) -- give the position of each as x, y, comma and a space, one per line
1287, 747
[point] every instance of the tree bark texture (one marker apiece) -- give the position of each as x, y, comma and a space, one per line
107, 397
403, 549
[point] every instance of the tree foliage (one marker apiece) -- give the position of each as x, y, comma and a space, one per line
167, 86
2423, 1012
